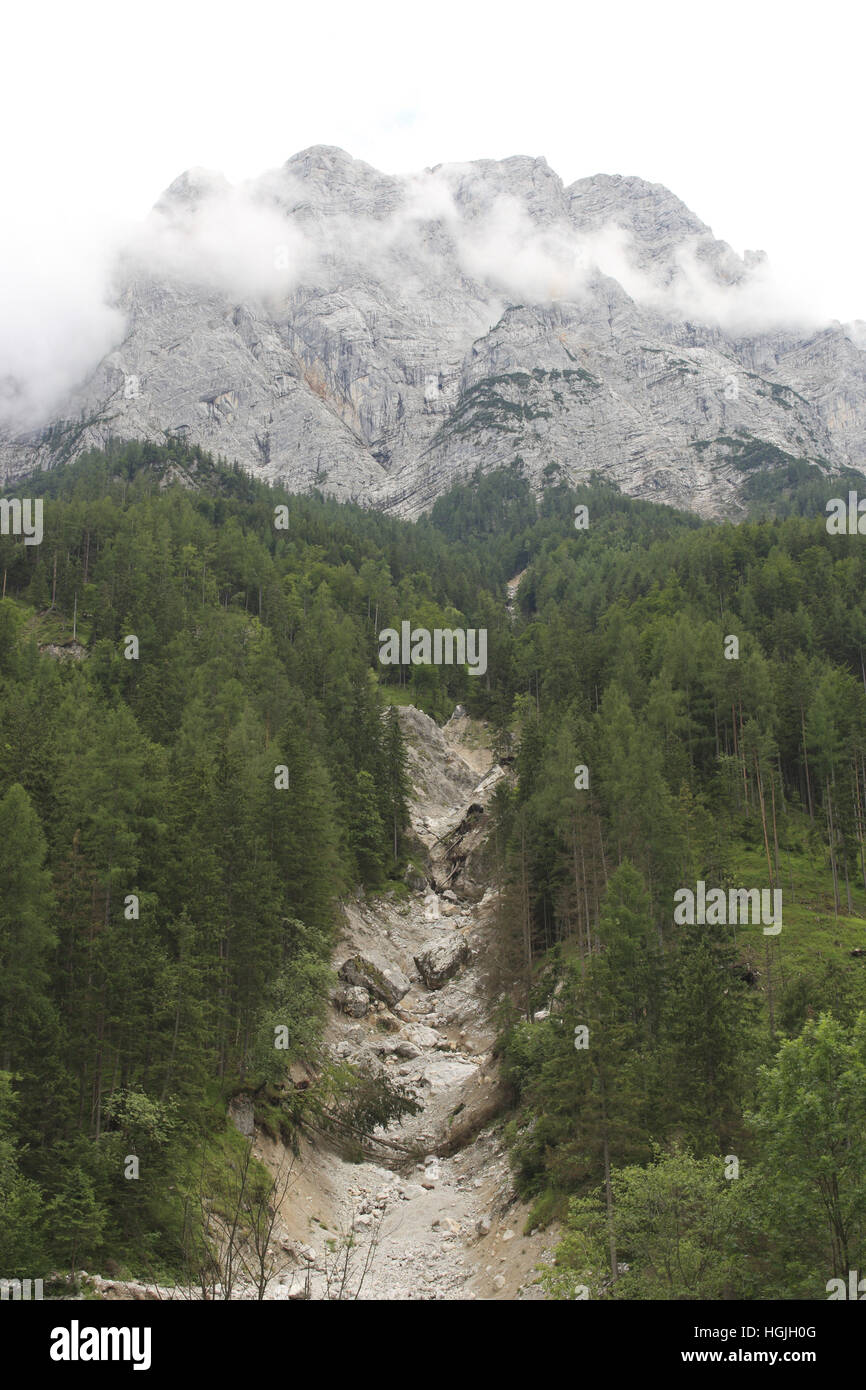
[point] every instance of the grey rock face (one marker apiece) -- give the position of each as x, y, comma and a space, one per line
442, 959
478, 314
242, 1115
372, 973
414, 879
352, 1000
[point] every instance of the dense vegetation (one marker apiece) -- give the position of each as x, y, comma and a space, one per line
709, 1126
175, 832
166, 904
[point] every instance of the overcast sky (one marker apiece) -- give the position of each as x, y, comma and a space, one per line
751, 112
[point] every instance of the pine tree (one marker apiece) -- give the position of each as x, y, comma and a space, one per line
77, 1219
26, 931
707, 1039
810, 1120
22, 1249
395, 780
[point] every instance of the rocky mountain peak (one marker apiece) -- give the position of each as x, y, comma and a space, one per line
191, 188
381, 336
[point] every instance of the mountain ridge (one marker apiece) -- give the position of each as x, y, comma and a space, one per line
380, 336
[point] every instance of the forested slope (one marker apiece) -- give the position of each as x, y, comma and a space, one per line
177, 828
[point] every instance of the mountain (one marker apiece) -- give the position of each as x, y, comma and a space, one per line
380, 337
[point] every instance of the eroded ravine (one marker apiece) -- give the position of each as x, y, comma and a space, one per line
444, 1223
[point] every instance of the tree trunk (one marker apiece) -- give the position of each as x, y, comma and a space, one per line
608, 1190
806, 763
760, 786
830, 837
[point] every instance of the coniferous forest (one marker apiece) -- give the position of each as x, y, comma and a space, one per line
172, 662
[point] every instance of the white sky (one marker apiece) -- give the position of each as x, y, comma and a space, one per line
750, 112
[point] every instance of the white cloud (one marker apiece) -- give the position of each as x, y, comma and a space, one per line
533, 264
225, 239
56, 321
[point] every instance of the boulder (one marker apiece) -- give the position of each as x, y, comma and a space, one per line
373, 973
414, 879
431, 907
439, 1075
353, 1000
442, 959
422, 1036
242, 1115
387, 1023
